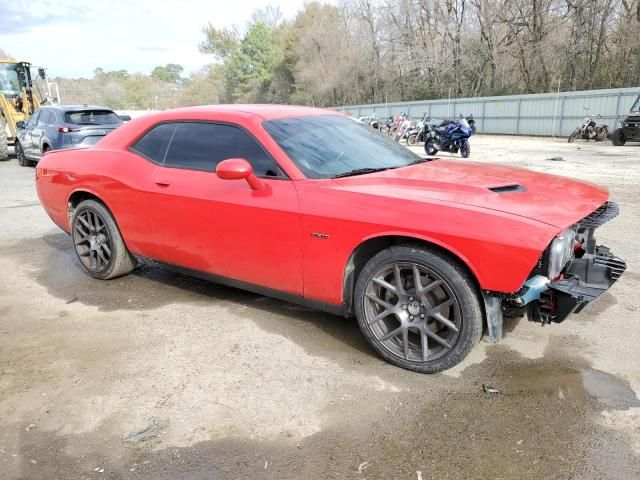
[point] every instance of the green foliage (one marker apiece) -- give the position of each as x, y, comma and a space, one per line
222, 44
249, 71
170, 73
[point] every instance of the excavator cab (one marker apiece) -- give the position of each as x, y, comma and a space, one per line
17, 101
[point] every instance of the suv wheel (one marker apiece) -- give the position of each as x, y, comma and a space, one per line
617, 138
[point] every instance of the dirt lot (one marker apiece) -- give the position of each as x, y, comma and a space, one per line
157, 375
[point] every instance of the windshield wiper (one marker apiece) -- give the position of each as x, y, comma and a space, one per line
360, 171
421, 160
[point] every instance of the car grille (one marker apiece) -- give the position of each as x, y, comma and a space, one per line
600, 216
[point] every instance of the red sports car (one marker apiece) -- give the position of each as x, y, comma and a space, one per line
308, 206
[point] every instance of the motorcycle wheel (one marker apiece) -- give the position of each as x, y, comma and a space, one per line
465, 150
429, 149
574, 135
412, 140
602, 135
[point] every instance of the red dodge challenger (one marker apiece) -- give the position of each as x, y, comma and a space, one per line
308, 206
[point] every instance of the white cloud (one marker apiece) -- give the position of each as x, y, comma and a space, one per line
72, 38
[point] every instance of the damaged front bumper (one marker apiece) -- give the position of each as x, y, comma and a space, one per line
584, 280
590, 272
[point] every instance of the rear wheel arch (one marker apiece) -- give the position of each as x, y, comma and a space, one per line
79, 196
368, 248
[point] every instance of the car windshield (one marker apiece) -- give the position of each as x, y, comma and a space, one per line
325, 146
92, 117
636, 105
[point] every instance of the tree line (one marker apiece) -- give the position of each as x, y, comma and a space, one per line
366, 51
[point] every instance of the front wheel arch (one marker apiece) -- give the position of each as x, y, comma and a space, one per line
370, 247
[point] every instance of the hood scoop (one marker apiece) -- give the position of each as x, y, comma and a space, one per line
508, 188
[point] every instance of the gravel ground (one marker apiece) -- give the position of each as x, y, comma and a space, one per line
157, 375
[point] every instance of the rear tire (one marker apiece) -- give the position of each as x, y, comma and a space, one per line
617, 138
429, 149
4, 145
574, 135
418, 309
98, 243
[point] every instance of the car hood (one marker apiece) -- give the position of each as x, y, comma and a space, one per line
551, 199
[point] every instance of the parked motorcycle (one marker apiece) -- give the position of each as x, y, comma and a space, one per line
471, 122
589, 130
450, 136
403, 129
385, 126
419, 133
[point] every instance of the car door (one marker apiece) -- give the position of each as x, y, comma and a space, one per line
37, 133
26, 141
223, 227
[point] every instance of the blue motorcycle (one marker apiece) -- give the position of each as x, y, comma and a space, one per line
449, 136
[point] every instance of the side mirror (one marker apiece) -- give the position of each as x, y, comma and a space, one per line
238, 169
20, 125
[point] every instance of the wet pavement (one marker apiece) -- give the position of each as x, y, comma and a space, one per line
159, 375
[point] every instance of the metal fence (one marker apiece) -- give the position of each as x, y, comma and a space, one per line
549, 114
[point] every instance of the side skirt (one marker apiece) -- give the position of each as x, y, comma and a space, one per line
259, 289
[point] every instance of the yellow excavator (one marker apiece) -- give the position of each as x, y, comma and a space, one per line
18, 100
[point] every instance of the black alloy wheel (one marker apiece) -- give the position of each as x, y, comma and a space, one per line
418, 309
98, 243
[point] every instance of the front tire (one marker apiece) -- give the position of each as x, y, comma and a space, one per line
465, 150
22, 159
418, 309
412, 140
98, 243
617, 138
574, 135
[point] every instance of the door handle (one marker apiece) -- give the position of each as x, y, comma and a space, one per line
163, 183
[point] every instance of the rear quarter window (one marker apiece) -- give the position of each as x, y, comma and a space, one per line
153, 144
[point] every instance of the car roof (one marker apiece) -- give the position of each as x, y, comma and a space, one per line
75, 108
264, 111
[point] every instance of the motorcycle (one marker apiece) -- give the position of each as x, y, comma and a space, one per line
471, 121
385, 126
419, 133
449, 136
402, 130
589, 130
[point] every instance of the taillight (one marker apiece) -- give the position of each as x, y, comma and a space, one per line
67, 129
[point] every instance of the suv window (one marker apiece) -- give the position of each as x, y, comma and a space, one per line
33, 119
46, 118
201, 146
92, 117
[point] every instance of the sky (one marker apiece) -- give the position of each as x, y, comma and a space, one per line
73, 37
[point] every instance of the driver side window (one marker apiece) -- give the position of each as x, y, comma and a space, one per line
33, 120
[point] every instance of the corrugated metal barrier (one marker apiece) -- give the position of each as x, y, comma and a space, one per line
548, 114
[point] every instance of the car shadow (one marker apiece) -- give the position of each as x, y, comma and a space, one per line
152, 285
